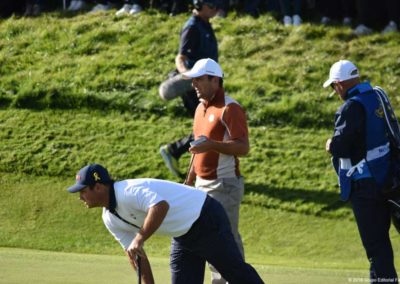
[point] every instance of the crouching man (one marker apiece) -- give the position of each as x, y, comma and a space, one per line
135, 209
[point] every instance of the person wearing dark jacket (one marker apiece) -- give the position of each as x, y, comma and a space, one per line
197, 41
360, 154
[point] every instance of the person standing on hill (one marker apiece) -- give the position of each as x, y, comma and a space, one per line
361, 157
221, 122
135, 209
197, 41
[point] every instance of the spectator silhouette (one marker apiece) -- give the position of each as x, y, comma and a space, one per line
197, 41
33, 8
333, 9
291, 16
372, 11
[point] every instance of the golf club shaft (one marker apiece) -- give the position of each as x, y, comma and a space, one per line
139, 268
189, 168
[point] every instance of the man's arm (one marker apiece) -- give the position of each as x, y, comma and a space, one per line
181, 63
189, 43
349, 131
152, 222
147, 274
236, 147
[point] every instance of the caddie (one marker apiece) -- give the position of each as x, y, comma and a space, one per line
135, 209
361, 156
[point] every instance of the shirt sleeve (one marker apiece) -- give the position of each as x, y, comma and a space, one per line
349, 130
189, 41
235, 121
122, 232
142, 198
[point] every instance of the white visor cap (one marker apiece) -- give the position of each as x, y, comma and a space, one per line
205, 66
341, 71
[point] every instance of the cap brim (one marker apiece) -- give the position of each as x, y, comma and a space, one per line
191, 74
76, 188
328, 83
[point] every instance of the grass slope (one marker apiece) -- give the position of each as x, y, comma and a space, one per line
105, 62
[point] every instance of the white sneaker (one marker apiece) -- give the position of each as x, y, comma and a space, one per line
71, 6
221, 14
362, 30
297, 20
346, 21
77, 5
287, 21
124, 10
136, 9
101, 7
325, 20
390, 28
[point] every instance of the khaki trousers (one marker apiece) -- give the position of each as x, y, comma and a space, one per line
229, 192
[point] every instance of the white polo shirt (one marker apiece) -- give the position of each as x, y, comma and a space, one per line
134, 197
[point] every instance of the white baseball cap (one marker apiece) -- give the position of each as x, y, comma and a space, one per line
341, 71
205, 66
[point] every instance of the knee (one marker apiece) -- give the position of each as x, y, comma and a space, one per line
165, 91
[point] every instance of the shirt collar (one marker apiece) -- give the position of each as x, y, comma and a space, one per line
112, 200
358, 89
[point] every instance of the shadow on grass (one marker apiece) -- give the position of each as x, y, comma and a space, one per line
309, 202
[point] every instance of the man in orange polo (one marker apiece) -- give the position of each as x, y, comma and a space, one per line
220, 122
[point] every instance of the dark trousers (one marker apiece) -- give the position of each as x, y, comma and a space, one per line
209, 239
286, 7
372, 214
181, 146
371, 12
337, 9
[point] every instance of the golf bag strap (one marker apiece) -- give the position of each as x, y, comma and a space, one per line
390, 117
122, 219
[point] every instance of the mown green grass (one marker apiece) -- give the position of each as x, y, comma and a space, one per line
82, 89
290, 213
31, 266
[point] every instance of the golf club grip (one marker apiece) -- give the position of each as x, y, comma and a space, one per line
139, 268
189, 168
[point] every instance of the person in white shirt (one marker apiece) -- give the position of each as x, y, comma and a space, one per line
135, 209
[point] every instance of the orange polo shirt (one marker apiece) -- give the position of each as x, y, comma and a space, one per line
221, 119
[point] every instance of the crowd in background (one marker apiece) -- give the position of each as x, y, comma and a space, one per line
364, 16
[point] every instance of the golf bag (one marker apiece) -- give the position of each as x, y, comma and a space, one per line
392, 190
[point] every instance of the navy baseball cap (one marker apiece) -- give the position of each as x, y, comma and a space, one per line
88, 176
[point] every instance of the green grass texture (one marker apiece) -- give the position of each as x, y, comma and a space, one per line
77, 89
99, 61
34, 267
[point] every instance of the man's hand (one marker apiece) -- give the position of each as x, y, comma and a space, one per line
205, 146
136, 248
147, 274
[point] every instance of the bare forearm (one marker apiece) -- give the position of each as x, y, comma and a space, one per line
180, 62
232, 147
155, 216
239, 147
152, 222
